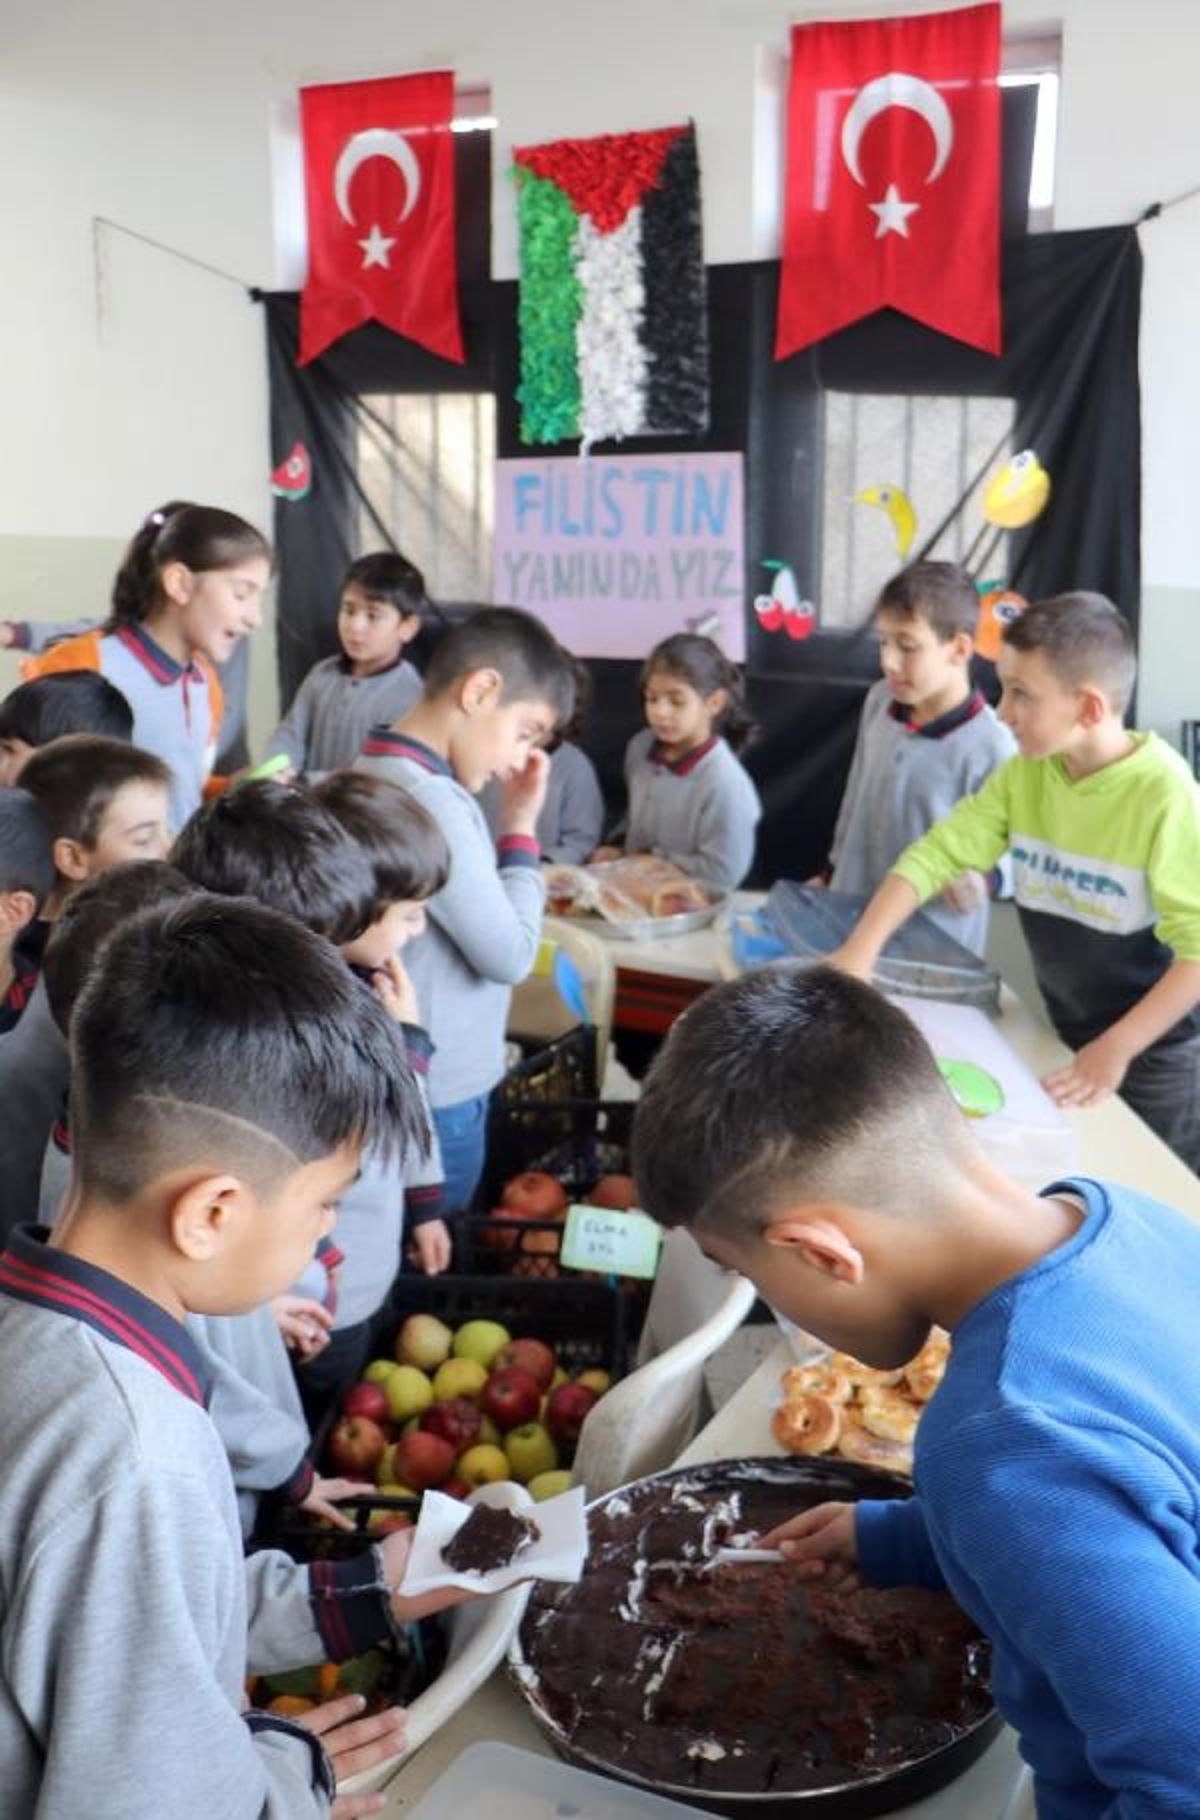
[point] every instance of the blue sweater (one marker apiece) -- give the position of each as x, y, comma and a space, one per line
1058, 1481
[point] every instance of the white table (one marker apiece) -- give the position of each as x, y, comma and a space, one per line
1113, 1142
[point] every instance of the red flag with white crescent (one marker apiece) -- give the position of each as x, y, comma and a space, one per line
379, 195
893, 176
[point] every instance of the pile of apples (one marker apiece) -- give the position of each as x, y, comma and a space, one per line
460, 1408
537, 1196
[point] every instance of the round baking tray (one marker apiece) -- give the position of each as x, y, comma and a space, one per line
657, 928
814, 1481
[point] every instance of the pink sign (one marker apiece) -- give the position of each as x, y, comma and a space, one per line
616, 552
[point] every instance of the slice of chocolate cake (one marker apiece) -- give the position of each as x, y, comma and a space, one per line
489, 1538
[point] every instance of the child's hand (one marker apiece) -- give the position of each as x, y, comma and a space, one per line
818, 882
522, 795
395, 1549
603, 854
1096, 1072
324, 1493
966, 892
6, 633
396, 992
354, 1743
821, 1543
431, 1246
304, 1324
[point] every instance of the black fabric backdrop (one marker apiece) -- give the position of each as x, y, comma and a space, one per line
1071, 308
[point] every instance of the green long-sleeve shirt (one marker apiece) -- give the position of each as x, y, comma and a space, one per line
1106, 875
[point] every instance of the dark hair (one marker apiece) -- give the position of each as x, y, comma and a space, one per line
768, 1081
1083, 638
387, 576
276, 844
89, 917
406, 848
200, 537
705, 667
533, 665
68, 701
215, 1032
572, 728
26, 849
941, 593
76, 778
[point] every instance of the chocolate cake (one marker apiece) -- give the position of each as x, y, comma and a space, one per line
489, 1538
742, 1678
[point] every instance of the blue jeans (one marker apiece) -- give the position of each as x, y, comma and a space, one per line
462, 1135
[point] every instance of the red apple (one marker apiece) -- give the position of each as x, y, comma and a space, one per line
511, 1396
423, 1460
541, 1268
388, 1522
456, 1419
367, 1400
566, 1408
356, 1446
535, 1196
533, 1356
455, 1488
616, 1191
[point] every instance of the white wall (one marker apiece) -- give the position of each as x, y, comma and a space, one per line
155, 113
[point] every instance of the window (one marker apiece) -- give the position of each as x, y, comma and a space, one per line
925, 450
425, 466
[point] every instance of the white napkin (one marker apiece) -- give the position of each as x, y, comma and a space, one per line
559, 1553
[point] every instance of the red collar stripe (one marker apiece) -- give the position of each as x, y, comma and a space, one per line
680, 767
162, 666
385, 742
33, 1284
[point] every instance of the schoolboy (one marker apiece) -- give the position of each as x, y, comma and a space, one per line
496, 688
1058, 1466
382, 608
1104, 829
226, 1072
73, 701
26, 881
283, 847
255, 1404
104, 802
926, 738
571, 822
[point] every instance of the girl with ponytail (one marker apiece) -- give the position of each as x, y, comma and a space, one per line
690, 799
189, 588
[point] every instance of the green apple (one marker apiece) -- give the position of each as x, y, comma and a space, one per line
408, 1392
482, 1465
490, 1433
459, 1378
530, 1451
379, 1371
560, 1377
549, 1484
481, 1341
423, 1341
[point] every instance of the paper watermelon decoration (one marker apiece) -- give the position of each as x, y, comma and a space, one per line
613, 329
292, 479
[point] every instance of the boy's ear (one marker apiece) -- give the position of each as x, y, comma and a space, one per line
410, 625
821, 1242
17, 911
480, 689
1094, 705
962, 646
71, 859
201, 1213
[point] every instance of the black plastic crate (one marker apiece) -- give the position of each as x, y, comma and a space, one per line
582, 1318
577, 1138
563, 1069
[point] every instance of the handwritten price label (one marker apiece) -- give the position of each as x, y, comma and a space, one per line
619, 1244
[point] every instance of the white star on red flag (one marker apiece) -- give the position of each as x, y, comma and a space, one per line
892, 213
376, 247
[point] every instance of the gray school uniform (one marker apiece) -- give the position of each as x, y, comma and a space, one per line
333, 712
255, 1406
129, 1614
484, 925
34, 1071
571, 824
700, 811
902, 780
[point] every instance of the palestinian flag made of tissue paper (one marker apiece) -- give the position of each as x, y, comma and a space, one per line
612, 321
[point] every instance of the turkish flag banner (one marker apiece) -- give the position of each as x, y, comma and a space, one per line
893, 177
379, 195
